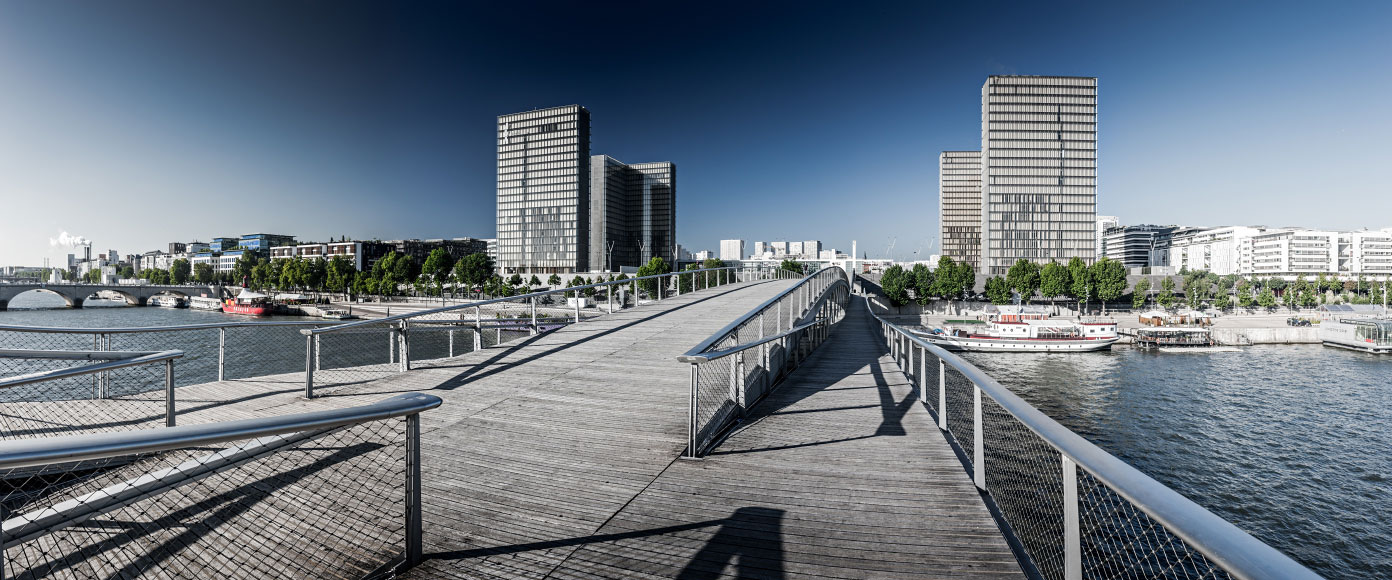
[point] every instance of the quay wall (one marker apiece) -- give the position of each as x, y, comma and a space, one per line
1285, 335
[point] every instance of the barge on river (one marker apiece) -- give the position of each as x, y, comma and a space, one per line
1028, 336
1167, 337
1362, 334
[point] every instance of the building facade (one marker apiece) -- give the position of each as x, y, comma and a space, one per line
1038, 170
1104, 223
959, 206
1143, 246
731, 249
544, 191
632, 213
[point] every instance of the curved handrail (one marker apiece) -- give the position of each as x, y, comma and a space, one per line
710, 355
1218, 539
516, 298
70, 448
141, 329
719, 335
24, 353
143, 359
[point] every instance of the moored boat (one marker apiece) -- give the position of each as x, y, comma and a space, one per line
167, 301
249, 303
205, 303
336, 314
1172, 337
1363, 334
1028, 335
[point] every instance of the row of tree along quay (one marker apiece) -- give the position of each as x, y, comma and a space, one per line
397, 274
1106, 281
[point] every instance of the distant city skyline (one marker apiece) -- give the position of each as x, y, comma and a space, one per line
137, 123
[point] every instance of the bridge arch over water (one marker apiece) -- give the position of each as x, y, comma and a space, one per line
76, 294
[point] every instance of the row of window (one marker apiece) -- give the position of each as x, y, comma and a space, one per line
557, 160
1052, 116
1076, 109
1050, 126
550, 148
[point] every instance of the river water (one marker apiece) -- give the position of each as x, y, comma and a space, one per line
1292, 443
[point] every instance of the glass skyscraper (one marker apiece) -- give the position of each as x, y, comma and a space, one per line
543, 191
959, 206
632, 213
1038, 170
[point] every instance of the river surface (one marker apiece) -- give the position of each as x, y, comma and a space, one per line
1292, 443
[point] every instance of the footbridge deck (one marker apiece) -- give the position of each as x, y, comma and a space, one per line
557, 456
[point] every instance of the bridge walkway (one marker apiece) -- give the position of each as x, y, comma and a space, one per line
840, 473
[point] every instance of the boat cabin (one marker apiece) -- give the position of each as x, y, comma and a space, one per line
1174, 336
1015, 313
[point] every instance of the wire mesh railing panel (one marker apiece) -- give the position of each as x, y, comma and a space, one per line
355, 355
716, 398
331, 506
198, 365
118, 399
928, 381
47, 340
960, 410
1121, 541
258, 351
1025, 477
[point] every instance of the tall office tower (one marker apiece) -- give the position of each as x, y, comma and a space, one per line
759, 249
1038, 170
731, 249
811, 249
544, 191
959, 206
632, 213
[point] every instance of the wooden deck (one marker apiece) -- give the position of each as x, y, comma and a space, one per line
557, 457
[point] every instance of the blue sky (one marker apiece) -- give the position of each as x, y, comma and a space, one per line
138, 123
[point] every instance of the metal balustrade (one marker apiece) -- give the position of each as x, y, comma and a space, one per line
366, 350
44, 391
739, 364
1075, 510
312, 495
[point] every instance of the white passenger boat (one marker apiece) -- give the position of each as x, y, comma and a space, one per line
1028, 336
1363, 334
205, 303
1171, 338
336, 314
166, 301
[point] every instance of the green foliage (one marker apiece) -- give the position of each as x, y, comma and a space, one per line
1079, 280
921, 278
895, 283
1053, 280
129, 272
654, 267
475, 270
339, 274
203, 272
535, 282
1023, 277
439, 266
1109, 280
791, 266
945, 280
1138, 294
997, 290
315, 273
179, 271
554, 280
1267, 298
1166, 296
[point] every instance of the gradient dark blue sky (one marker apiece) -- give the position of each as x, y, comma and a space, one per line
137, 123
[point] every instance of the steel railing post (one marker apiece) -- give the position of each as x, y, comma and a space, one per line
1072, 531
222, 353
309, 367
451, 343
478, 328
608, 295
743, 403
413, 490
391, 345
978, 441
537, 329
405, 348
169, 393
577, 306
317, 366
691, 427
923, 374
942, 395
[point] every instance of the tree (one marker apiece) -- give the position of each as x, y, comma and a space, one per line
1222, 302
686, 283
1138, 294
945, 280
1023, 277
203, 272
1267, 299
439, 266
654, 267
997, 290
535, 282
922, 282
1109, 280
1053, 281
1244, 294
1079, 280
241, 269
965, 278
716, 278
791, 266
554, 280
475, 269
179, 271
313, 273
339, 274
125, 272
1166, 296
895, 284
261, 274
405, 268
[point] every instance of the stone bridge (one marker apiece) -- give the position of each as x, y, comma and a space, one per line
76, 294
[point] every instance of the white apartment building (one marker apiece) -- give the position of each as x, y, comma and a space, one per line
702, 255
1283, 252
731, 249
779, 248
812, 248
1217, 250
1104, 223
761, 248
794, 248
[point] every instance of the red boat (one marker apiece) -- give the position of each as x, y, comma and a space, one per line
249, 303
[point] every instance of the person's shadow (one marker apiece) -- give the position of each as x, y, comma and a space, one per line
751, 539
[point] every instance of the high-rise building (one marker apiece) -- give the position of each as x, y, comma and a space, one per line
812, 248
959, 206
761, 248
632, 213
731, 249
544, 191
1038, 170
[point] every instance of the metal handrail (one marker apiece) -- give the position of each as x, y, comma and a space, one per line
516, 298
720, 334
143, 329
1219, 540
710, 355
72, 354
141, 359
70, 448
